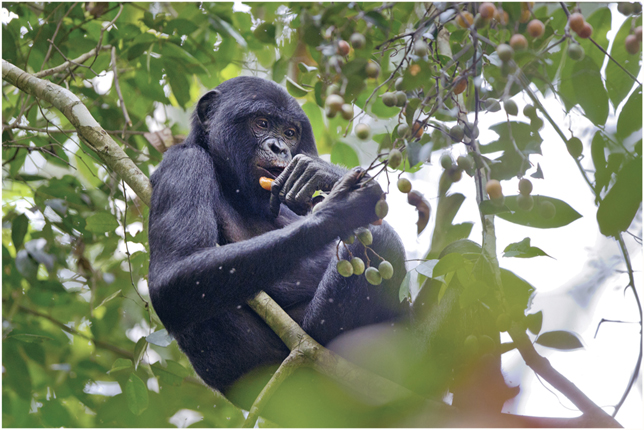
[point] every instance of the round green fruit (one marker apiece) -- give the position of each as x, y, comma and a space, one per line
358, 265
334, 103
530, 111
446, 160
344, 268
471, 130
547, 210
373, 276
401, 98
503, 322
536, 123
575, 147
505, 52
421, 48
511, 107
349, 239
398, 84
492, 105
364, 236
358, 41
456, 133
575, 51
363, 131
471, 345
382, 208
346, 111
333, 89
455, 173
395, 158
625, 8
525, 186
389, 99
385, 269
525, 202
404, 186
403, 129
372, 69
465, 162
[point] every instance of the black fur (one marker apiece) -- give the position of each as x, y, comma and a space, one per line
214, 242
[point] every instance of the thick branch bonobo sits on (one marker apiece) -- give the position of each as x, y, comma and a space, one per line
215, 242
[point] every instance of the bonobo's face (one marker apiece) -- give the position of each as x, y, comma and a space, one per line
276, 140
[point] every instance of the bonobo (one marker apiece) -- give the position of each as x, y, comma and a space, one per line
217, 237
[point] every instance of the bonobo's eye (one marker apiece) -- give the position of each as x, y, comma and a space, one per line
290, 132
262, 123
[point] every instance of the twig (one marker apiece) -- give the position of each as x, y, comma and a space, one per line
77, 61
128, 121
294, 360
53, 37
631, 283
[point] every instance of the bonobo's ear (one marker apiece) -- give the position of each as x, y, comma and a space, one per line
206, 105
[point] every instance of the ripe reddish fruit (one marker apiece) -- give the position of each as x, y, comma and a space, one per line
493, 189
536, 28
465, 19
461, 84
576, 22
632, 44
417, 130
487, 10
586, 31
343, 48
518, 42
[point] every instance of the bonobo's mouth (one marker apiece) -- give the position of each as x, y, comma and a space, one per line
271, 171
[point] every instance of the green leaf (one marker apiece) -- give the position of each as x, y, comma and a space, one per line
139, 351
618, 83
523, 250
160, 338
488, 207
227, 30
344, 155
102, 222
534, 322
590, 92
616, 211
19, 227
294, 89
516, 290
136, 394
265, 33
426, 268
404, 292
448, 263
178, 81
630, 119
564, 213
559, 339
280, 67
172, 374
30, 338
598, 153
121, 364
110, 297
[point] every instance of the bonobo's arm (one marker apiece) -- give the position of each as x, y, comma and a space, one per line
302, 177
191, 278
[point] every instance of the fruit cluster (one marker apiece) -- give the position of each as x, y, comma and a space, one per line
356, 266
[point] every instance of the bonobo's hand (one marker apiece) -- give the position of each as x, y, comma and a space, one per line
302, 177
352, 201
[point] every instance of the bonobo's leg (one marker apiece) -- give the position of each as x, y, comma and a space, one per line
341, 304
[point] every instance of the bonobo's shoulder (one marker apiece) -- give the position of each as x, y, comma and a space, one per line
185, 158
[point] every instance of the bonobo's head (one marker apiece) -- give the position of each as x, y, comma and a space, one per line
253, 128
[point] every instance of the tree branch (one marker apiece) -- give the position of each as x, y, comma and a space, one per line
88, 129
66, 64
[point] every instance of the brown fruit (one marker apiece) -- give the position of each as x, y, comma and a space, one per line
586, 31
638, 33
536, 28
525, 16
414, 198
493, 189
465, 19
487, 10
266, 183
576, 22
632, 44
372, 69
501, 17
460, 85
343, 48
518, 42
417, 130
